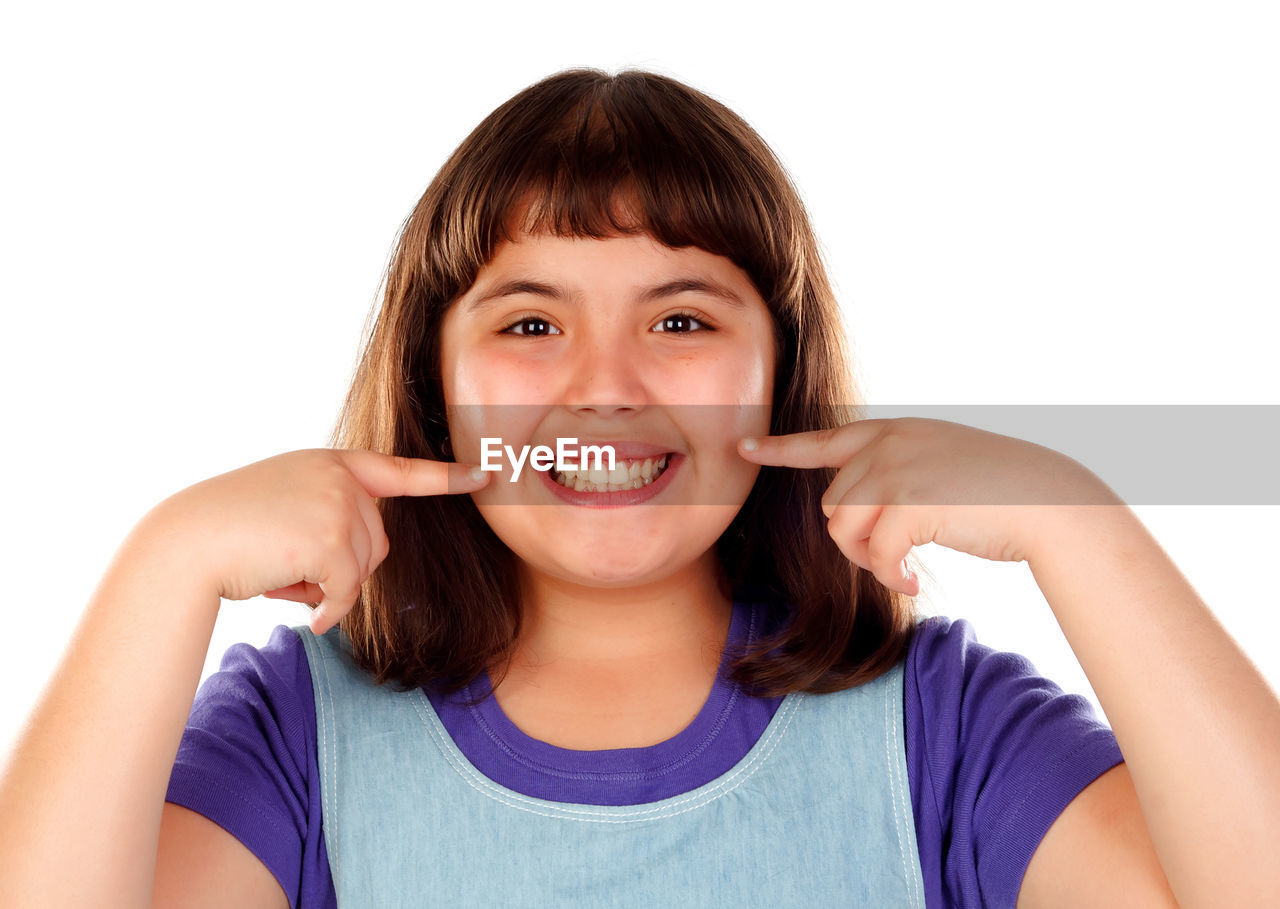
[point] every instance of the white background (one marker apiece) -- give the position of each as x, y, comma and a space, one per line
1019, 202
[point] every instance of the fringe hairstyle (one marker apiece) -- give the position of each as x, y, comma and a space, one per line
556, 158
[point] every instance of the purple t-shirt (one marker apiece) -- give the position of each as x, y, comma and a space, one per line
994, 753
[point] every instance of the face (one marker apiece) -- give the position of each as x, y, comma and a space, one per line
565, 338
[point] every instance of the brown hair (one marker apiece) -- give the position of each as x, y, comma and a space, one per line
445, 604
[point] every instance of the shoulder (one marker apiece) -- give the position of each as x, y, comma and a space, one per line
943, 649
264, 689
952, 677
997, 752
246, 759
272, 671
258, 703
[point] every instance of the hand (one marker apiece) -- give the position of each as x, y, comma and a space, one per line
909, 481
303, 525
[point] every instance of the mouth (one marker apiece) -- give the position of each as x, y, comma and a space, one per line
627, 474
647, 485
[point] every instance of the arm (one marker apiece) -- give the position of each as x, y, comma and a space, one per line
1197, 723
1101, 831
83, 790
201, 865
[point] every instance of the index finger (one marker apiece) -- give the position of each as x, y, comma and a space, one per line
815, 448
384, 475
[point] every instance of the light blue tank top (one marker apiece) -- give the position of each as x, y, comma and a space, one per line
817, 813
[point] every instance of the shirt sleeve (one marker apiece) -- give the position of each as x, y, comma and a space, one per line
999, 752
246, 761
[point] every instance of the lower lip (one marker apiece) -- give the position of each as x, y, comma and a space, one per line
620, 497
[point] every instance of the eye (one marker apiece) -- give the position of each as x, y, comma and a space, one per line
680, 322
531, 327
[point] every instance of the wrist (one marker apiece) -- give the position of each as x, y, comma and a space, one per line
1086, 508
1073, 533
165, 542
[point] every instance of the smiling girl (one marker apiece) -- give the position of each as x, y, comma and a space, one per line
697, 680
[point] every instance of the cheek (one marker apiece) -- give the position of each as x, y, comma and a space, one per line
487, 397
490, 396
487, 378
731, 381
477, 369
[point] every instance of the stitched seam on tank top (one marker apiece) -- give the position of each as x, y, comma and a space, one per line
926, 771
901, 802
472, 778
488, 788
330, 817
671, 766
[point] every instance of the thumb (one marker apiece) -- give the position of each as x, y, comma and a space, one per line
384, 475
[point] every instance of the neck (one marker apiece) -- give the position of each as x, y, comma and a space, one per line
682, 618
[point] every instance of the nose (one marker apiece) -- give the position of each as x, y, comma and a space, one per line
606, 378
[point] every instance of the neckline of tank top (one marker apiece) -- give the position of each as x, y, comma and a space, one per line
484, 733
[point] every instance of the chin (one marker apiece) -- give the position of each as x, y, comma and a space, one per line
621, 560
603, 549
631, 573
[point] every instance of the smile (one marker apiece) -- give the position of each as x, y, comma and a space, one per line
646, 478
626, 474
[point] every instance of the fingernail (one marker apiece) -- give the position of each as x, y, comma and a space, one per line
750, 444
477, 474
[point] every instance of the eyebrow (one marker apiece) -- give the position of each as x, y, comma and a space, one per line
560, 292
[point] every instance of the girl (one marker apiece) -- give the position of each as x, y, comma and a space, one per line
551, 691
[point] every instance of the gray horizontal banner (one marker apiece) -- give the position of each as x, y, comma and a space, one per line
1181, 454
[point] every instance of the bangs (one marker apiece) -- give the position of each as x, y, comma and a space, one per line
599, 156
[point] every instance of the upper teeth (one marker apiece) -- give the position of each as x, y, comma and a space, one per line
626, 474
